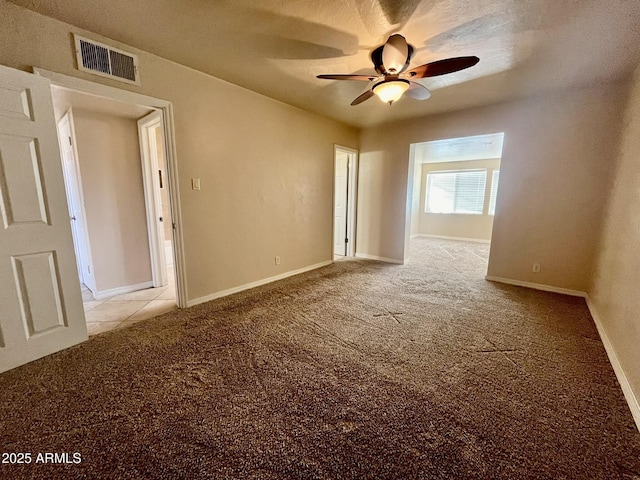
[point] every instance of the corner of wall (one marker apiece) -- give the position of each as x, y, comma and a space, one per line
615, 279
625, 385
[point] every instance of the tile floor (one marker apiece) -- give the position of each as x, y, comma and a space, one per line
129, 308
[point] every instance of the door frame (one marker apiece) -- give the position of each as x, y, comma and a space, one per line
73, 179
153, 199
352, 197
171, 163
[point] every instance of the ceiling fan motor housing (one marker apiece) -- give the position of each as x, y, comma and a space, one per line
376, 58
391, 62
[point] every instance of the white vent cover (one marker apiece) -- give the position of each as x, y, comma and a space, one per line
106, 61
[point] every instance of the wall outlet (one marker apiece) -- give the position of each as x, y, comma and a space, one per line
536, 268
277, 260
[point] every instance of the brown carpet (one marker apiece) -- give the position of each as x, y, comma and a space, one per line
358, 370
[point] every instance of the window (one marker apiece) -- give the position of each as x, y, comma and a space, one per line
459, 191
494, 192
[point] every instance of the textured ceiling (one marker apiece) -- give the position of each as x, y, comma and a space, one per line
277, 47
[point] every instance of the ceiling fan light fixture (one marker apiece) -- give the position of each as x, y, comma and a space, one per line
391, 62
391, 91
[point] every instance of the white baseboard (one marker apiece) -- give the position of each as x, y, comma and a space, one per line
632, 400
247, 286
463, 239
537, 286
100, 294
380, 259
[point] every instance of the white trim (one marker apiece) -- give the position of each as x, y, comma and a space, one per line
632, 400
100, 294
152, 198
537, 286
171, 165
380, 259
87, 86
352, 197
171, 159
247, 286
625, 386
462, 239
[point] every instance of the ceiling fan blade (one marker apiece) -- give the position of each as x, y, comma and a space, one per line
442, 67
365, 96
364, 78
395, 54
417, 91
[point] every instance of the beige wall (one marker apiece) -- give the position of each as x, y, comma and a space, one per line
266, 168
615, 293
110, 166
477, 227
557, 156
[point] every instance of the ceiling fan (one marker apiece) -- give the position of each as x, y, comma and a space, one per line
391, 61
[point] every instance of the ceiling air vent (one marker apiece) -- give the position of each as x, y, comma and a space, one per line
106, 61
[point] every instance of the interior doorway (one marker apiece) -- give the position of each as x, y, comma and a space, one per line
453, 190
117, 187
344, 201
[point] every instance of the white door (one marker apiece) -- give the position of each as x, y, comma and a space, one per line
153, 198
40, 304
340, 196
73, 187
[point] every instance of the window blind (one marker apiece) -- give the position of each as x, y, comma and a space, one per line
460, 191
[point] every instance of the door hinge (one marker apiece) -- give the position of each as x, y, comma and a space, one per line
173, 225
88, 268
346, 240
70, 141
161, 219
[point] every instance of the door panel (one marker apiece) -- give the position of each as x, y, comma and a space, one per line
340, 204
73, 182
40, 303
22, 199
14, 102
37, 275
153, 198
